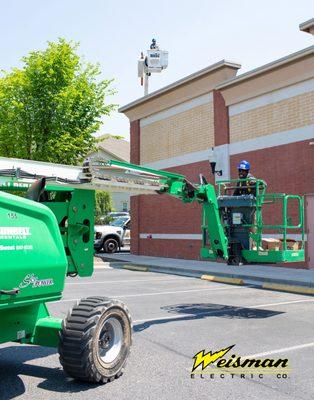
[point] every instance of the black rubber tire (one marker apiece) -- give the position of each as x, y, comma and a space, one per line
111, 245
79, 340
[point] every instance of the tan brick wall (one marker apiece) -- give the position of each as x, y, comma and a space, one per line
277, 117
186, 132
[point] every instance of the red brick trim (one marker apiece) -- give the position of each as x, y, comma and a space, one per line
135, 139
186, 249
135, 149
221, 119
135, 225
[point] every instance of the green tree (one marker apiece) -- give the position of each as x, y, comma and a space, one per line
50, 108
103, 205
108, 136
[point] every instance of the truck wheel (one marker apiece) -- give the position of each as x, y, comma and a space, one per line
111, 245
95, 340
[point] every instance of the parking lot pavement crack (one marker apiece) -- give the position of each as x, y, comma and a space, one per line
171, 349
275, 389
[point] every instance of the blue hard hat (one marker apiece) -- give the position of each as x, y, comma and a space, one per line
244, 165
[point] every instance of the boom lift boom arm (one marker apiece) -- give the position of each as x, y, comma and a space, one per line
178, 186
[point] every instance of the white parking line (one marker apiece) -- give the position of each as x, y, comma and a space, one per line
162, 293
179, 291
221, 311
285, 302
283, 350
124, 281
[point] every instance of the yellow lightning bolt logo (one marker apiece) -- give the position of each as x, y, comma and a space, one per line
205, 359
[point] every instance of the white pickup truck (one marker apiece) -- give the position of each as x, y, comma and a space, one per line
110, 238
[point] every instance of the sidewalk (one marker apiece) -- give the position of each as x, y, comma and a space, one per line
276, 278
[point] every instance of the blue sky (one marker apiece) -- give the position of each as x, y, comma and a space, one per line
196, 34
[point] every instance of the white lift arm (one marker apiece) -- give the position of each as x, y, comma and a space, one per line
95, 174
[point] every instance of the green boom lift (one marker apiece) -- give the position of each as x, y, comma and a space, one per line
48, 235
232, 226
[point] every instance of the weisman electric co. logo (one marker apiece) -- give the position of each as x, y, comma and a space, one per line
235, 365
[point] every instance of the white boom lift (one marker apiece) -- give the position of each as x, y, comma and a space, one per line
94, 174
156, 60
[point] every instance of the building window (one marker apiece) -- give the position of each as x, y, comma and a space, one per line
124, 206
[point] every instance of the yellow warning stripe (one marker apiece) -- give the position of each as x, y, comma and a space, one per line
141, 268
222, 279
289, 288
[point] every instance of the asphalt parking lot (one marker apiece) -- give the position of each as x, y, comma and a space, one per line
174, 318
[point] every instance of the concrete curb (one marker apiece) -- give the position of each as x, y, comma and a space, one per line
263, 283
289, 288
277, 284
222, 279
247, 279
140, 268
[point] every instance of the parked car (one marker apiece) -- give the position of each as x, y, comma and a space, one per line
110, 238
117, 214
114, 215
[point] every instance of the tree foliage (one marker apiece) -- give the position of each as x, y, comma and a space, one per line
103, 205
108, 136
50, 108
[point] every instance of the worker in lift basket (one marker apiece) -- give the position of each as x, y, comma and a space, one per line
249, 185
246, 187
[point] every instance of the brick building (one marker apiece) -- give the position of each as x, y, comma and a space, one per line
265, 116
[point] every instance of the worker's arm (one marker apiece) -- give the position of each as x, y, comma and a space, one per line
251, 185
237, 191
